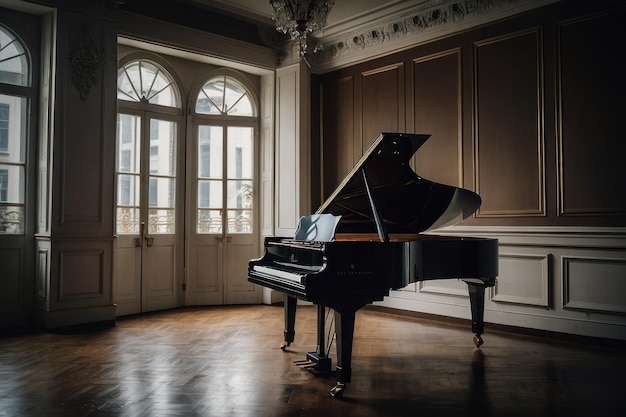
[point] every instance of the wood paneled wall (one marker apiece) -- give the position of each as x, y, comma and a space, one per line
527, 112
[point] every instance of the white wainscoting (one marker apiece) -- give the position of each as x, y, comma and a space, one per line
563, 280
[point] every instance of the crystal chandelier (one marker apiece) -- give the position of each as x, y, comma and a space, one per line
299, 18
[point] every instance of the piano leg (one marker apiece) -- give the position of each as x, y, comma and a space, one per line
344, 325
477, 303
290, 321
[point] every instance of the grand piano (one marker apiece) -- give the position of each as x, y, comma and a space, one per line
368, 238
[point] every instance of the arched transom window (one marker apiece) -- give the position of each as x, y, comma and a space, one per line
144, 81
225, 96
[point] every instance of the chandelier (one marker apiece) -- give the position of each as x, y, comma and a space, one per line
299, 18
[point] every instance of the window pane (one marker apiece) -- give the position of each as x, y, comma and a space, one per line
11, 219
13, 116
239, 221
239, 194
242, 108
209, 194
240, 152
162, 147
161, 221
210, 100
210, 152
127, 190
128, 143
127, 221
14, 67
12, 184
162, 192
209, 221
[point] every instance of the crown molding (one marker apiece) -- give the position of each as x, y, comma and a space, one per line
405, 25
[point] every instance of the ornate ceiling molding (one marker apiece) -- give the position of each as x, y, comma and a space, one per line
411, 26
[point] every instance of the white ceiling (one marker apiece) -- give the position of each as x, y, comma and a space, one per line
342, 14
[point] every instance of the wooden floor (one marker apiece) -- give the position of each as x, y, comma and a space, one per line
226, 361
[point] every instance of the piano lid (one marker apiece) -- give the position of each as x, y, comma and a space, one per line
383, 195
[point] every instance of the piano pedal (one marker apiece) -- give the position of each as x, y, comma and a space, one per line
305, 364
338, 390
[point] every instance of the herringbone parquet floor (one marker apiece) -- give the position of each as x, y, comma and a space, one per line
226, 361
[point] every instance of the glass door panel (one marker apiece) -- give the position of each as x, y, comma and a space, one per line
13, 118
128, 216
209, 177
240, 168
162, 177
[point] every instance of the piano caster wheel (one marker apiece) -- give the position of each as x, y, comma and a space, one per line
337, 390
478, 341
284, 346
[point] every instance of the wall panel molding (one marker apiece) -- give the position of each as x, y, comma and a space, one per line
508, 128
81, 274
524, 279
437, 110
382, 102
452, 287
338, 151
43, 272
83, 154
594, 283
590, 99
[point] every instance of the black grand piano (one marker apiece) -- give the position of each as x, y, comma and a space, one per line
367, 239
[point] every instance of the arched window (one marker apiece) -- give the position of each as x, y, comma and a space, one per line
14, 68
15, 95
224, 131
145, 81
224, 95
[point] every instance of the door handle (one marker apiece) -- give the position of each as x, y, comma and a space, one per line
142, 232
219, 239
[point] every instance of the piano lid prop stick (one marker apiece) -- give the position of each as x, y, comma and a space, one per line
382, 232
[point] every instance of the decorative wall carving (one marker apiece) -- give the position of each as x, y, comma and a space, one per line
86, 62
409, 23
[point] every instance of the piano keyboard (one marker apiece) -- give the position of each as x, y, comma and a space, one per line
292, 276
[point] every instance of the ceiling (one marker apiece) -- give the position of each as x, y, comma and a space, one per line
342, 14
356, 29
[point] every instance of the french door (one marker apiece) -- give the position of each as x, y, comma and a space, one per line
149, 250
222, 221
